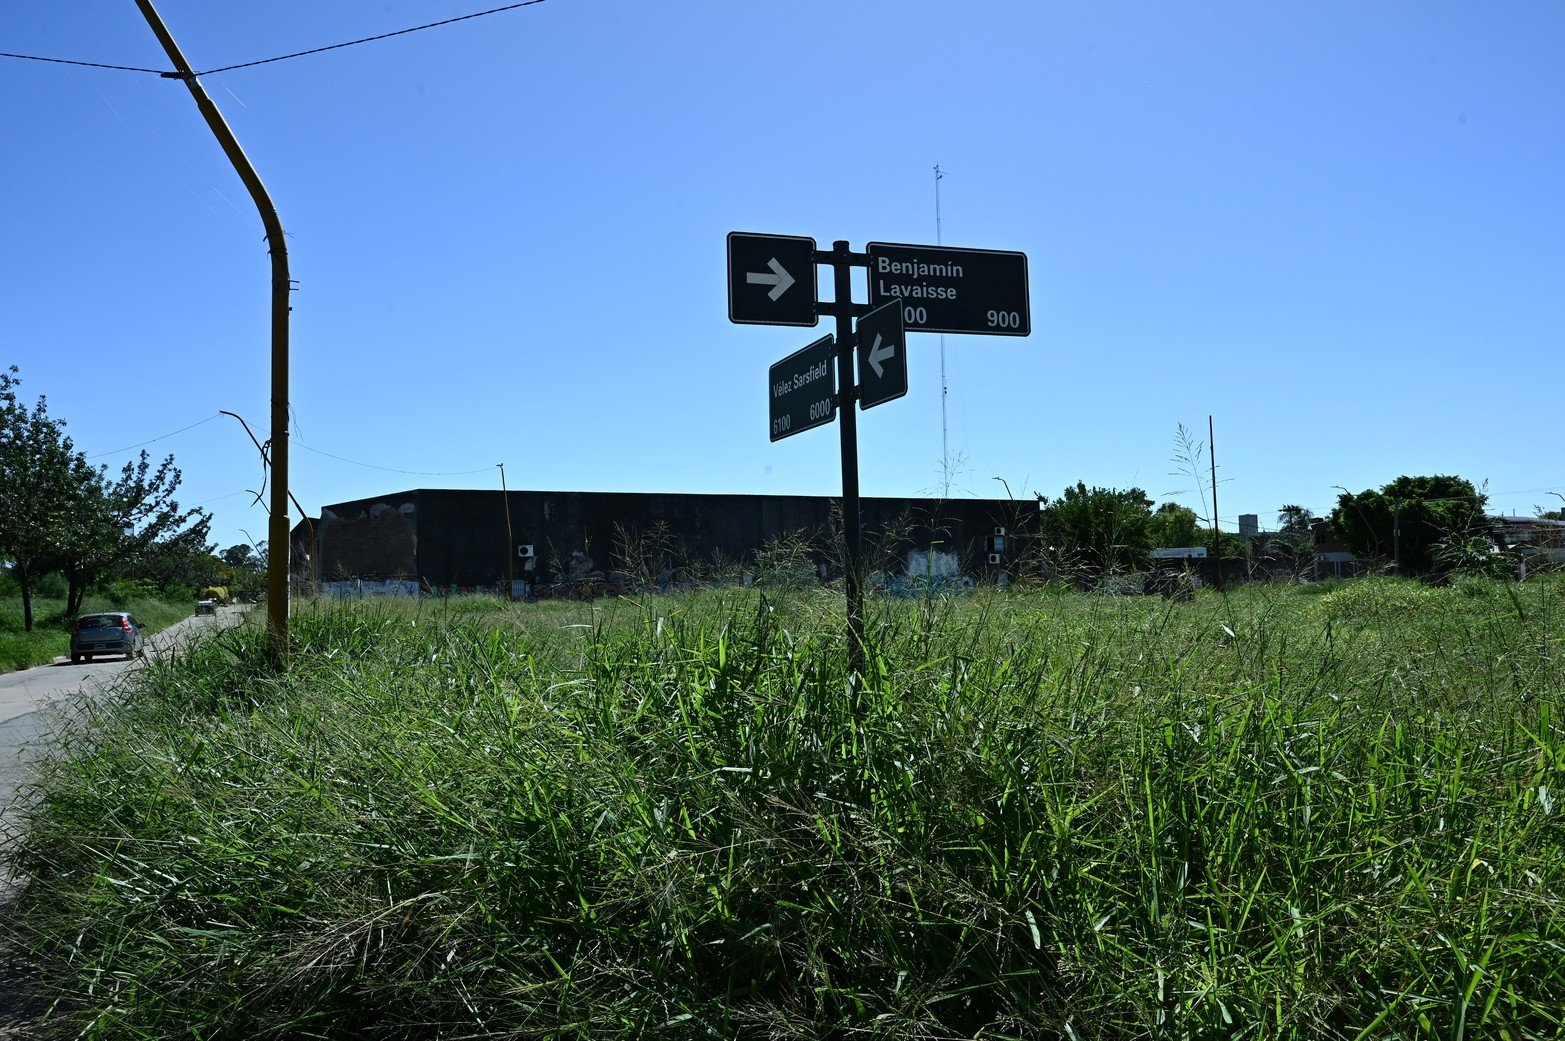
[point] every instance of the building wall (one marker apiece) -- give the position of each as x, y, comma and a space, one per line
457, 538
373, 539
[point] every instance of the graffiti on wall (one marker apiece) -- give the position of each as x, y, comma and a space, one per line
360, 587
930, 572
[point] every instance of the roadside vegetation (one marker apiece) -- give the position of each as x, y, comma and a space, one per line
75, 538
51, 633
1334, 811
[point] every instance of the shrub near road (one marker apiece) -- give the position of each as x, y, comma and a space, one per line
1279, 814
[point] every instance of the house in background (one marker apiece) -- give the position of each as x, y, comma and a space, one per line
1538, 541
1332, 558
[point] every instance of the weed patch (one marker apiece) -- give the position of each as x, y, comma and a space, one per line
1252, 815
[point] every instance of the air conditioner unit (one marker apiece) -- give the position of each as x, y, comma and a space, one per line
994, 558
525, 550
999, 530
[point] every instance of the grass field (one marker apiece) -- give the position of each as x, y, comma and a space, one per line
1290, 812
51, 635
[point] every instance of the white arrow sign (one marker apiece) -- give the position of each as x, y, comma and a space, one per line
779, 279
878, 354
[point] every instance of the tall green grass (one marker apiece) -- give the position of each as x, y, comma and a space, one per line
1266, 815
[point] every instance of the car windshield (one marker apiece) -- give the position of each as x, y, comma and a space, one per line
100, 621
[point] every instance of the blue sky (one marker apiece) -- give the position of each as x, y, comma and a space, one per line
1338, 228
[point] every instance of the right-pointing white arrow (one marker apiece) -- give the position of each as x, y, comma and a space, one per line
779, 279
878, 354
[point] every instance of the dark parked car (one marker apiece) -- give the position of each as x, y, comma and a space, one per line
110, 632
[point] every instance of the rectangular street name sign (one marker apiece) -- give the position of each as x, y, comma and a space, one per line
802, 389
771, 279
944, 289
882, 355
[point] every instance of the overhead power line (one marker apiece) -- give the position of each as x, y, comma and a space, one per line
87, 64
181, 430
392, 469
367, 39
281, 57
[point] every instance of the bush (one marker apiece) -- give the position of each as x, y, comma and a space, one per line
52, 586
1377, 600
126, 590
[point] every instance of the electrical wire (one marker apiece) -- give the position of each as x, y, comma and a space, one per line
389, 469
367, 39
166, 74
86, 64
181, 430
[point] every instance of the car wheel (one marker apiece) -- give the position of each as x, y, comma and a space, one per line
86, 657
76, 659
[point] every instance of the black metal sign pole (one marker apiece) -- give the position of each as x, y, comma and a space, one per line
842, 260
911, 288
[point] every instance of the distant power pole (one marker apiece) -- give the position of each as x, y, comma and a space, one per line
278, 534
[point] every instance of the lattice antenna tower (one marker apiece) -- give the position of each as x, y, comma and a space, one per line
945, 450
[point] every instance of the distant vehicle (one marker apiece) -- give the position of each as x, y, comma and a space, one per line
206, 607
111, 632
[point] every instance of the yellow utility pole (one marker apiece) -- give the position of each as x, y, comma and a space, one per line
277, 539
510, 543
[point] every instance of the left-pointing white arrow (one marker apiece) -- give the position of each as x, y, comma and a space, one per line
878, 354
779, 279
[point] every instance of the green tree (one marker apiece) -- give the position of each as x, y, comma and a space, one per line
1295, 520
244, 569
39, 475
1295, 541
1226, 544
1100, 529
121, 524
179, 565
1427, 510
1174, 526
238, 556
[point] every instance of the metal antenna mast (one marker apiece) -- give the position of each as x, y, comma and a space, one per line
945, 451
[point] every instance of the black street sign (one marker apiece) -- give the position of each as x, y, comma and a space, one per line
802, 389
882, 355
771, 279
943, 289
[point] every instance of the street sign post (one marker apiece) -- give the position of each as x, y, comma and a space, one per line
771, 279
802, 390
882, 346
944, 289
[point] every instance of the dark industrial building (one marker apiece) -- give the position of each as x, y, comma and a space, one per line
435, 540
